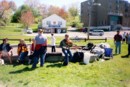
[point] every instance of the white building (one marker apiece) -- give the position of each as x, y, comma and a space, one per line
54, 24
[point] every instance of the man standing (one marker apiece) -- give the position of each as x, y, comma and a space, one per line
65, 44
117, 41
128, 42
53, 43
40, 48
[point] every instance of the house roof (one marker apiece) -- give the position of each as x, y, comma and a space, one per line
54, 16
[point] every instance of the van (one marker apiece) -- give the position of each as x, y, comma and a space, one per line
96, 32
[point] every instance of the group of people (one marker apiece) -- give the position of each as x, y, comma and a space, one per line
119, 39
38, 48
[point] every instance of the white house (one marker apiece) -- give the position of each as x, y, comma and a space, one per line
54, 24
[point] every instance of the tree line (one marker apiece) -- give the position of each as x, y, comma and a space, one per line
33, 12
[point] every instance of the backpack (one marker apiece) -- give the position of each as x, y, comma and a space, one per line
77, 57
89, 46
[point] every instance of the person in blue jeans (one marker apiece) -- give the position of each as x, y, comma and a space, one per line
65, 44
40, 49
117, 41
22, 51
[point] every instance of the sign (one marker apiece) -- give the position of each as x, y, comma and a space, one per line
54, 26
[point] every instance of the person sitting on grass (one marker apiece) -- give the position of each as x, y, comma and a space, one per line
22, 51
6, 50
65, 44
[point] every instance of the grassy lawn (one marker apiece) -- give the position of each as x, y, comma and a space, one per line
111, 73
13, 31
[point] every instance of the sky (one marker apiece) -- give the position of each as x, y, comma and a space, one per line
60, 3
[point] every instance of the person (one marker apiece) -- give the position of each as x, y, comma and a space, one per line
40, 49
65, 44
22, 51
32, 47
124, 37
117, 41
6, 50
127, 38
53, 43
128, 42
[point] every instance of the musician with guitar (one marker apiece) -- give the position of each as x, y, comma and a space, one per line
65, 44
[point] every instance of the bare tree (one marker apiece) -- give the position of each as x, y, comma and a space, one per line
27, 19
6, 9
43, 10
32, 3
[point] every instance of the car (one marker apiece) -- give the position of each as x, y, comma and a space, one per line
28, 31
96, 32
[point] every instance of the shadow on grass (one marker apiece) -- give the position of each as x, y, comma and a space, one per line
81, 63
125, 56
59, 65
17, 63
115, 54
21, 71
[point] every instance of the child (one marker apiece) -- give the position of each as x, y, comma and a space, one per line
22, 51
32, 47
53, 43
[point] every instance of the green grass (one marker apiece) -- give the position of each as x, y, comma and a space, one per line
111, 73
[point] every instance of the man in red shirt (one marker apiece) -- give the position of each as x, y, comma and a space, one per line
117, 41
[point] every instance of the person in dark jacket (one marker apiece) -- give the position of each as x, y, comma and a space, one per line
65, 44
117, 41
5, 50
128, 42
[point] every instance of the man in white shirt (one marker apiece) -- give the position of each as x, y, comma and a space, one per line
53, 43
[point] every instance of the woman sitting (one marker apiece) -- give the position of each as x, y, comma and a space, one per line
22, 51
5, 50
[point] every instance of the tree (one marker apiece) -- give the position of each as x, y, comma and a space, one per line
27, 18
53, 10
43, 10
57, 10
63, 13
73, 11
6, 9
74, 18
17, 14
32, 3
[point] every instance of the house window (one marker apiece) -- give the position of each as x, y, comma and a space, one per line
48, 22
59, 23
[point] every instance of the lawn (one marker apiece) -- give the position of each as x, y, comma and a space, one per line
111, 73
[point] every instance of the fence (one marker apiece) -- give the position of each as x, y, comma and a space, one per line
85, 39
